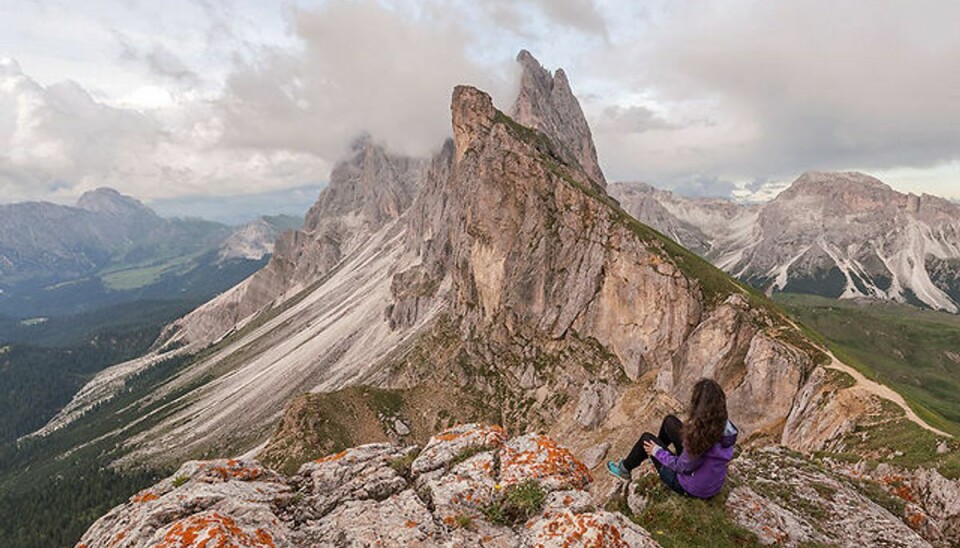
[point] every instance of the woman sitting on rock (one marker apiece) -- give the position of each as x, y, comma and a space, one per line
704, 446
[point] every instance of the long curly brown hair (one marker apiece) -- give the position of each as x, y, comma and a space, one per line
707, 417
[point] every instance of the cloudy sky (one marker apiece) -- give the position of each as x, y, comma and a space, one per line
223, 103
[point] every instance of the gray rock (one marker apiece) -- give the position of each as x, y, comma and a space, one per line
401, 428
636, 499
445, 447
595, 455
596, 400
788, 503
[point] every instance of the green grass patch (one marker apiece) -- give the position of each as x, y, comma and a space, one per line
879, 494
134, 277
516, 504
402, 465
463, 521
676, 521
918, 445
914, 351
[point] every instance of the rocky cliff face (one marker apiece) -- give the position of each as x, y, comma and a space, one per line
840, 235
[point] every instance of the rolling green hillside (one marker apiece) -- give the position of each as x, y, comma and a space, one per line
913, 350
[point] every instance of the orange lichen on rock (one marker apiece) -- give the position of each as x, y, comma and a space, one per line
144, 496
899, 488
331, 458
491, 435
213, 530
914, 518
544, 460
568, 529
231, 470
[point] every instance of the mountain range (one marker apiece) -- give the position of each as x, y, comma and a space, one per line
110, 248
840, 235
495, 282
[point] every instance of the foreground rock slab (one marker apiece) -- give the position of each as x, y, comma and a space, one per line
469, 486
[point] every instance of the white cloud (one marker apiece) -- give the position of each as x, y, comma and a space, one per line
791, 86
362, 68
57, 141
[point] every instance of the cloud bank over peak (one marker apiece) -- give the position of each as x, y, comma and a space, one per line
728, 97
361, 69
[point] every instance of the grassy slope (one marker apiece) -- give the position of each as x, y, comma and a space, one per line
914, 351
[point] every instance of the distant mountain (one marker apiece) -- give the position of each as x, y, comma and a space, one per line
840, 235
110, 248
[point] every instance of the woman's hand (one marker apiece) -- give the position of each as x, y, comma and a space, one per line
650, 447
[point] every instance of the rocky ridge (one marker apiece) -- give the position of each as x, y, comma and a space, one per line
546, 103
844, 235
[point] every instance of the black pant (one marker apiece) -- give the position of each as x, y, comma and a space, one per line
669, 434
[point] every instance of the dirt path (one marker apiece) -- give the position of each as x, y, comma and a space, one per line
882, 391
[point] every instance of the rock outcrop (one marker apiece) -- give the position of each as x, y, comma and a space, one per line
546, 103
789, 501
469, 486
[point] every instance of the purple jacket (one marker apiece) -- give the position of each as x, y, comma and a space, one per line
702, 476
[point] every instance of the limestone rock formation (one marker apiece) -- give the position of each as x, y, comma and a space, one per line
255, 240
840, 235
372, 495
511, 278
367, 190
546, 103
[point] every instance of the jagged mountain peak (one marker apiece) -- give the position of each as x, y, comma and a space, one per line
370, 182
836, 234
547, 103
473, 113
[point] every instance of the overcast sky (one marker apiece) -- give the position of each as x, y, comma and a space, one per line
212, 98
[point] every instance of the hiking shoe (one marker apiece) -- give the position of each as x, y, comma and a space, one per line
617, 469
